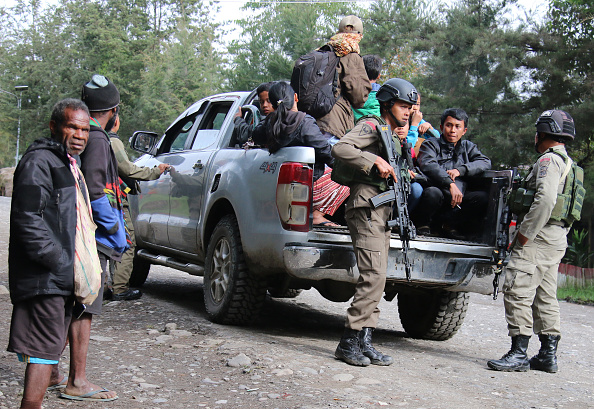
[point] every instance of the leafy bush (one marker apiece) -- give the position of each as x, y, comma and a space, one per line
578, 251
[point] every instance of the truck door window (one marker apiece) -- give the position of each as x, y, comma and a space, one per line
177, 138
211, 124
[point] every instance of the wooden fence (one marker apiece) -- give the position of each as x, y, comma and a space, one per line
572, 276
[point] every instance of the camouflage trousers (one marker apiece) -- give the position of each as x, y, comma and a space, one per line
530, 286
123, 270
371, 242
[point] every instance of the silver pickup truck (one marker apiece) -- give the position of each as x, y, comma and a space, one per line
242, 219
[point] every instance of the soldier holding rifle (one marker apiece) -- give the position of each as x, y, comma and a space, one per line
361, 149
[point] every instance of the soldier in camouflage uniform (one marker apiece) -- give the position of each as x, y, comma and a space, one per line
531, 277
360, 149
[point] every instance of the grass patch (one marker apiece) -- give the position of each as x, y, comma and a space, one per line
580, 295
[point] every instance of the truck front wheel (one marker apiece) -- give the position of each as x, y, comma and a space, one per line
432, 314
231, 294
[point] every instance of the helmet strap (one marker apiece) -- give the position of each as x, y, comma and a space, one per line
398, 123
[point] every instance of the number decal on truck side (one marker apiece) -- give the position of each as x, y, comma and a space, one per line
268, 167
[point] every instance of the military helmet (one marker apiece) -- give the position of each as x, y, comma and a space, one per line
100, 94
556, 123
397, 89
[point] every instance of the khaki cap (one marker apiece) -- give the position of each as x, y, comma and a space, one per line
353, 21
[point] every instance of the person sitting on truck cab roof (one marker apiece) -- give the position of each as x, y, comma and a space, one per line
449, 163
286, 126
353, 85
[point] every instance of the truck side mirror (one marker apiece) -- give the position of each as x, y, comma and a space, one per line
144, 142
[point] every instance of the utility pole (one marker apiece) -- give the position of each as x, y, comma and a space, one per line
19, 97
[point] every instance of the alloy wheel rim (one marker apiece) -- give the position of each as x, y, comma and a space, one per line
221, 270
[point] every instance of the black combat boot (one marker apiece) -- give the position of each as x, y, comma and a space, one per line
546, 359
516, 359
349, 351
376, 357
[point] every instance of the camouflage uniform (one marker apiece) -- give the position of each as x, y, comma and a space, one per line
371, 238
128, 170
531, 277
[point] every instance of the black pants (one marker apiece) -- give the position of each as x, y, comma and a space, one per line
434, 207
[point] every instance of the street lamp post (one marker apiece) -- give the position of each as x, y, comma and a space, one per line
19, 97
19, 88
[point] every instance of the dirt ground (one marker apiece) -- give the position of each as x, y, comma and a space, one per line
287, 359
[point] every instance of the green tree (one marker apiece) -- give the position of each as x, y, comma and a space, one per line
562, 62
186, 68
54, 50
276, 35
473, 59
393, 25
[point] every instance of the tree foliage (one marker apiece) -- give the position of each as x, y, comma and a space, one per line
165, 54
275, 35
160, 53
562, 63
473, 61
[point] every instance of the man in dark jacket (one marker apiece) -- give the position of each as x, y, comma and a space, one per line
100, 168
450, 163
41, 249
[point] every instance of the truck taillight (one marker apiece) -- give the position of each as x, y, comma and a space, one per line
293, 195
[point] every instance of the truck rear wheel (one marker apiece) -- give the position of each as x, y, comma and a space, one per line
140, 271
433, 314
231, 294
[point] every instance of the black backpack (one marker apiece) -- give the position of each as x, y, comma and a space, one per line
315, 80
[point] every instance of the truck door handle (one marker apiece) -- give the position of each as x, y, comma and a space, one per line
198, 165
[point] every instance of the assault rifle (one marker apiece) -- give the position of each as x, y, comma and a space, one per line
499, 256
397, 192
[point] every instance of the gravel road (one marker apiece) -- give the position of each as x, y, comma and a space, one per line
162, 352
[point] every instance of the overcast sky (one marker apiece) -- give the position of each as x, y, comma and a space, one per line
230, 10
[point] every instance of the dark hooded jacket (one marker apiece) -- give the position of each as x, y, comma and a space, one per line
299, 129
42, 223
436, 156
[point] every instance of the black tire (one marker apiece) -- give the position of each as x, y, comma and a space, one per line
288, 293
231, 294
140, 271
434, 314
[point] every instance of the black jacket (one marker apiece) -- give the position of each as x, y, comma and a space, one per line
437, 155
42, 223
307, 133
